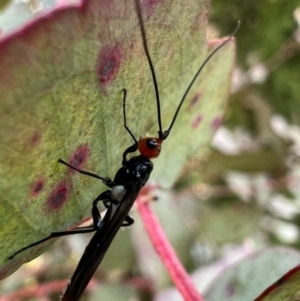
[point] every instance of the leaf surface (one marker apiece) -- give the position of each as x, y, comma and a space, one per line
286, 288
61, 85
247, 278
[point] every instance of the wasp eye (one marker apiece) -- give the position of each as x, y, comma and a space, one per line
151, 143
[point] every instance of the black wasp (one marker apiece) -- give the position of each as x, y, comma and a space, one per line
123, 190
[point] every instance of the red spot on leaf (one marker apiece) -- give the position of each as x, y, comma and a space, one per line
109, 64
197, 121
148, 6
230, 289
36, 138
79, 157
37, 187
216, 123
195, 100
58, 196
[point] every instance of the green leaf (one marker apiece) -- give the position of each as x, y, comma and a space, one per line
3, 3
61, 97
284, 289
245, 280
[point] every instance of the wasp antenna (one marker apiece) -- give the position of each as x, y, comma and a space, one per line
167, 132
145, 45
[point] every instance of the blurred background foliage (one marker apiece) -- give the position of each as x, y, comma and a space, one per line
261, 127
243, 194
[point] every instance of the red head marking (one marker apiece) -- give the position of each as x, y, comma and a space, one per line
150, 147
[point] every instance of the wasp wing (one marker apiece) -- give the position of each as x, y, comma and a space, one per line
98, 246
